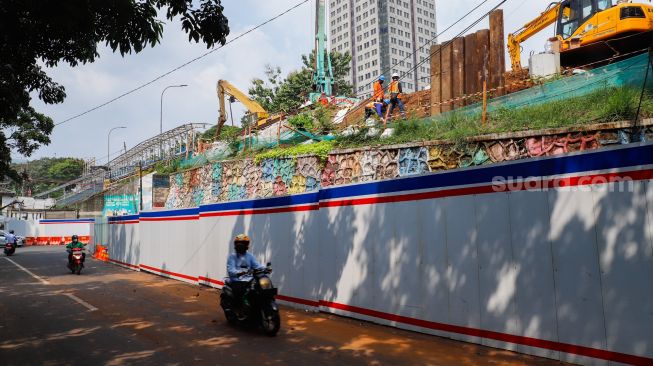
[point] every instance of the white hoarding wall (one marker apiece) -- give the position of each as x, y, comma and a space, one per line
54, 228
23, 227
559, 267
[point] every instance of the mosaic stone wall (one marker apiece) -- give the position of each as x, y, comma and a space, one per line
246, 179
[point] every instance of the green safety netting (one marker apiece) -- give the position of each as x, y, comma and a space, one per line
629, 72
254, 142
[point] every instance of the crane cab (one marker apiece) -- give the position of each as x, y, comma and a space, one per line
592, 31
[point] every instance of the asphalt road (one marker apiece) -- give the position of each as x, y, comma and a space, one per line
113, 316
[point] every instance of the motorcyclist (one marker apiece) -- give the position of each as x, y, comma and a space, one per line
75, 243
11, 238
238, 266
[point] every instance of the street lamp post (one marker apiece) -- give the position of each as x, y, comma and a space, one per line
108, 145
161, 111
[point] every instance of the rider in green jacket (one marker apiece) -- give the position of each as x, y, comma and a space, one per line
75, 244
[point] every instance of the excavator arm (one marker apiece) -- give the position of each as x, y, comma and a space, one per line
548, 17
224, 87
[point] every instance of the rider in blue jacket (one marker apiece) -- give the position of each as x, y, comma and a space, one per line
239, 265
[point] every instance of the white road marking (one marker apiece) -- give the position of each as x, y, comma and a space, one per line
28, 272
82, 302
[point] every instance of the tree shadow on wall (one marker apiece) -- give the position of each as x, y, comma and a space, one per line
562, 266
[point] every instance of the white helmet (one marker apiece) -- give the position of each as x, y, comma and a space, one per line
395, 75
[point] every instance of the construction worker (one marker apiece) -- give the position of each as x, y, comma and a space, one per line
324, 100
395, 90
378, 89
377, 97
372, 107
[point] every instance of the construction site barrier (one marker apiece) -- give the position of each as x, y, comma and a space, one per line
547, 256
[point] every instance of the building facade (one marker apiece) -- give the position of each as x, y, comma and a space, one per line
383, 37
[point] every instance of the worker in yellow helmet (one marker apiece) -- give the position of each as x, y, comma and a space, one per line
395, 91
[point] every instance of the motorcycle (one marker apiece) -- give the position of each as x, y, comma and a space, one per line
77, 261
9, 249
258, 305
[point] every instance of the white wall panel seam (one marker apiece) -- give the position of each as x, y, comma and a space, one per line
553, 273
478, 263
598, 262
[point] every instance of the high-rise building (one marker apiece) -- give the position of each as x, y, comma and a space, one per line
384, 36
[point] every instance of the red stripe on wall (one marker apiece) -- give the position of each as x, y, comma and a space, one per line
510, 338
593, 179
184, 218
488, 334
298, 300
508, 187
123, 263
169, 273
410, 197
210, 280
312, 207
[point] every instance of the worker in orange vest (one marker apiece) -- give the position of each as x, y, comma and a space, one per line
395, 97
324, 100
377, 97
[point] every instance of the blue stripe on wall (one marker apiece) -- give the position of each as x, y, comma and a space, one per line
620, 157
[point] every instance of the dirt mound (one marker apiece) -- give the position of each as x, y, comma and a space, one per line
417, 104
517, 80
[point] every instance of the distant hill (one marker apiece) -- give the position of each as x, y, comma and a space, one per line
46, 173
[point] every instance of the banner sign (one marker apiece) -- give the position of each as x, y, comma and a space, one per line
120, 205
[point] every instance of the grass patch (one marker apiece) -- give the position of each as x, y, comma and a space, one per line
605, 105
320, 149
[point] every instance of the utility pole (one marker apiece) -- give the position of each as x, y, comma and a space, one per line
161, 114
108, 145
140, 184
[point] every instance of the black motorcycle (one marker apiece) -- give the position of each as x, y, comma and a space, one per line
9, 249
257, 306
76, 261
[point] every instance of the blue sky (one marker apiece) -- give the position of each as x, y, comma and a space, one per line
279, 43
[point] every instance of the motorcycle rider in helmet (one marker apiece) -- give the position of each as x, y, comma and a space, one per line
75, 243
238, 266
11, 238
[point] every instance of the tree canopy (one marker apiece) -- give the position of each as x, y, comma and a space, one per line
45, 173
286, 94
39, 34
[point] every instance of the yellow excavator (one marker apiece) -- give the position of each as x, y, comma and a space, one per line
257, 114
589, 31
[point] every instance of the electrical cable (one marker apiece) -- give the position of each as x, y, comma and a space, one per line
183, 65
428, 42
443, 45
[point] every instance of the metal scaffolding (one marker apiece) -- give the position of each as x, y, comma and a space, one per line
168, 145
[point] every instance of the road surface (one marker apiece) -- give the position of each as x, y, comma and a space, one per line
113, 316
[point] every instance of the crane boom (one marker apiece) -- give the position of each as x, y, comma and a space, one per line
546, 18
224, 87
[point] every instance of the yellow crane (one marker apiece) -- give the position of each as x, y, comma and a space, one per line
256, 114
589, 30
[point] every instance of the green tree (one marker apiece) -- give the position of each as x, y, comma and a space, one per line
45, 173
65, 170
278, 95
34, 34
264, 93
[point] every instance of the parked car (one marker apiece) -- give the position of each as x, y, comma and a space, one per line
20, 240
